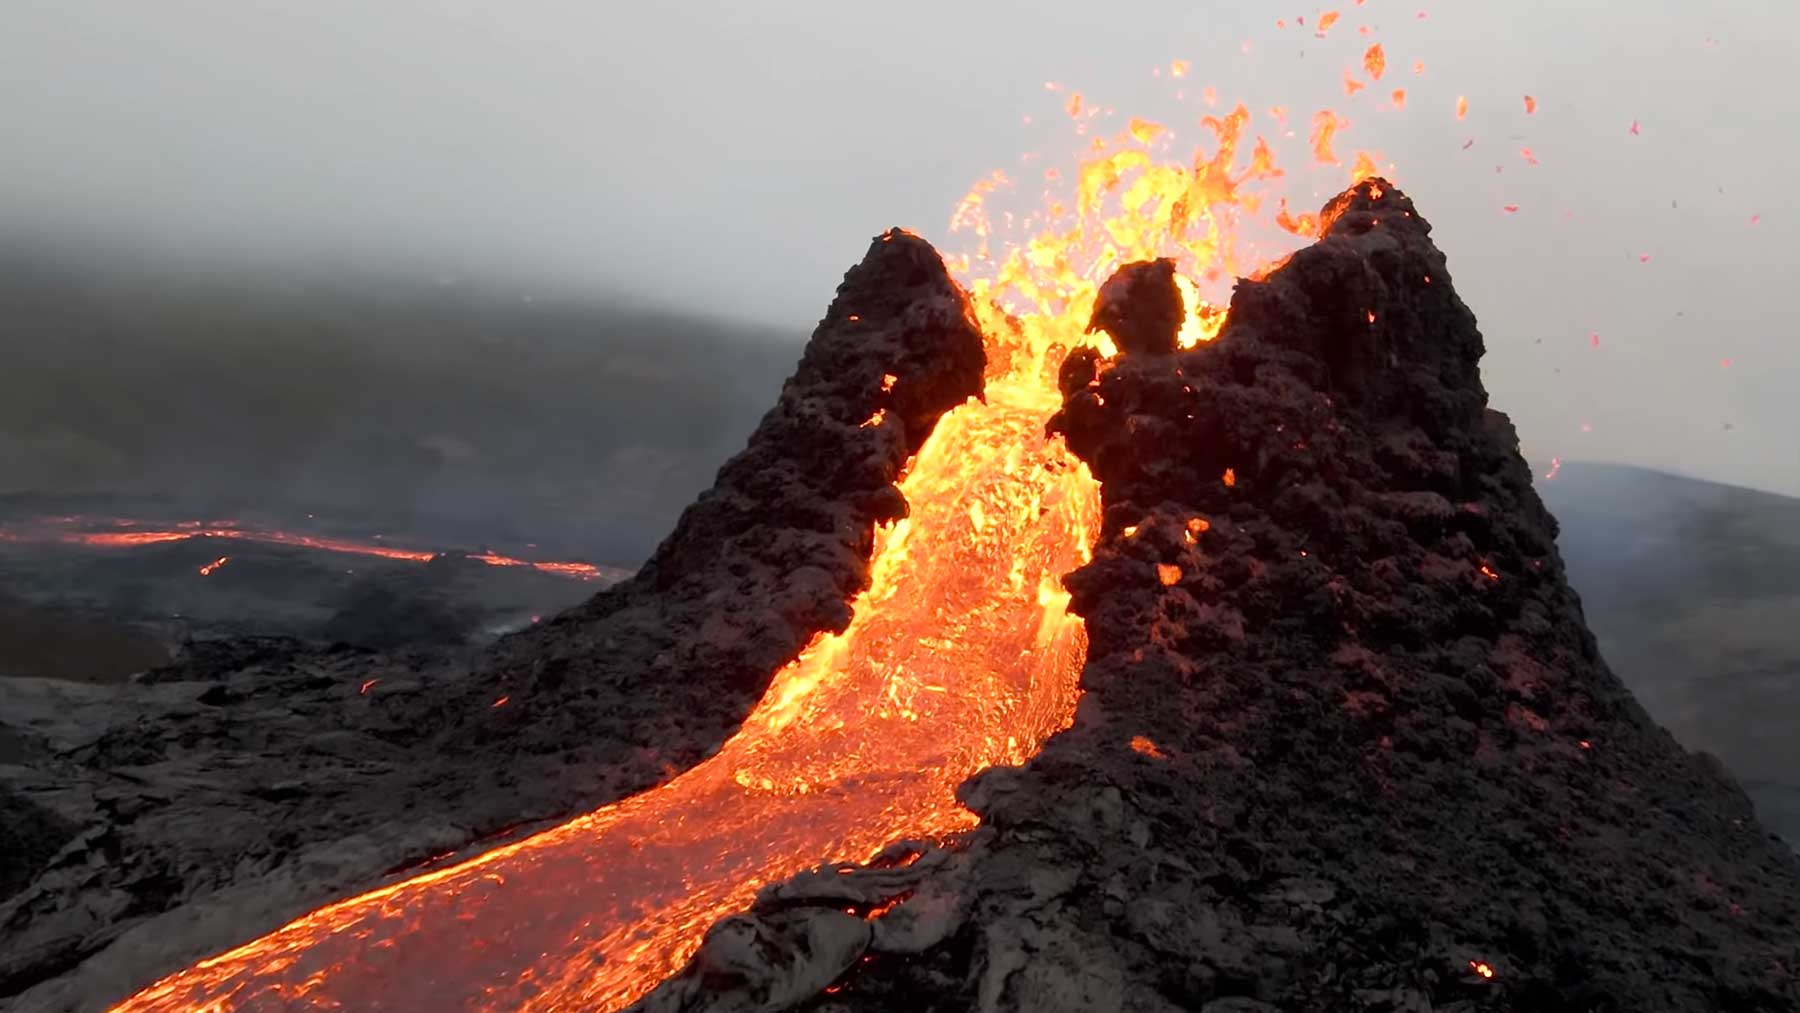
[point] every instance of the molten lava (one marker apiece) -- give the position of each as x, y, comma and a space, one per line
961, 655
131, 534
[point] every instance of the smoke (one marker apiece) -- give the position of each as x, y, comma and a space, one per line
1689, 588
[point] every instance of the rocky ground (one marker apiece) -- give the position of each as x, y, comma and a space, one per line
1346, 743
161, 821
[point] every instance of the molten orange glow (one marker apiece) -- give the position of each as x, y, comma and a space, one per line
1462, 107
1530, 105
1168, 575
70, 531
960, 655
1326, 20
1139, 744
213, 567
1375, 61
1325, 127
1229, 478
1481, 968
964, 628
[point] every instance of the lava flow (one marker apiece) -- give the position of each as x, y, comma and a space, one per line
131, 534
961, 655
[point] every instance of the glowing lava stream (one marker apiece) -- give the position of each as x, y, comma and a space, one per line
961, 656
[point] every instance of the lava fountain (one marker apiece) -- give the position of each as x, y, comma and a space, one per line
961, 655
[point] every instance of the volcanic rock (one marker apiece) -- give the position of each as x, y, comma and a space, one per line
1140, 307
1346, 742
248, 784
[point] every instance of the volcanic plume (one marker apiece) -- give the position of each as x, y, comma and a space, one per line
1345, 742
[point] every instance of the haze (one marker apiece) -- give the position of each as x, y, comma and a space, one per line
730, 160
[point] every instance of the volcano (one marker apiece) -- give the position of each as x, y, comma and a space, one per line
1228, 671
1345, 742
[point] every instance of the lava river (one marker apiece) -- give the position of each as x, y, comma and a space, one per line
961, 656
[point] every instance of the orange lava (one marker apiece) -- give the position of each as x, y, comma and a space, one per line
964, 629
960, 656
66, 530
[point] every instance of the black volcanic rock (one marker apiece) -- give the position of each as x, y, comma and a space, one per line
246, 785
1140, 308
1345, 742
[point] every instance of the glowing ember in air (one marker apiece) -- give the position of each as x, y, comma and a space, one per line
1462, 107
1375, 61
1168, 575
1326, 20
1481, 968
1555, 466
213, 567
1530, 105
1325, 126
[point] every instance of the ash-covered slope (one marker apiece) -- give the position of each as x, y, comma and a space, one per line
1346, 743
211, 805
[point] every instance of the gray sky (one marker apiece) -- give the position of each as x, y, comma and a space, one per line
734, 158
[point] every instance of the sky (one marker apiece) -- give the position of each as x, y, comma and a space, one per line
732, 159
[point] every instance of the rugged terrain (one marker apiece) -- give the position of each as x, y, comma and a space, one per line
1346, 741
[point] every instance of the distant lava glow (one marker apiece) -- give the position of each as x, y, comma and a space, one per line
124, 534
961, 655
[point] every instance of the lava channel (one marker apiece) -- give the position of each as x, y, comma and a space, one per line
961, 656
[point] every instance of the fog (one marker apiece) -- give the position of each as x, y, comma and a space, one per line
730, 160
